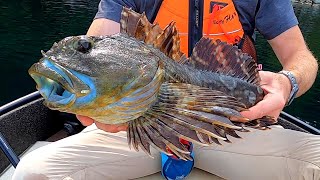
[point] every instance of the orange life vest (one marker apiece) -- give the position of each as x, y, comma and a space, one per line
220, 20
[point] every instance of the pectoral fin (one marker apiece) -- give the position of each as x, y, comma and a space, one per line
193, 113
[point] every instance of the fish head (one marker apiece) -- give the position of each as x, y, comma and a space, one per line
82, 74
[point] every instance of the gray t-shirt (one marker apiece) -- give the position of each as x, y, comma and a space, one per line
269, 17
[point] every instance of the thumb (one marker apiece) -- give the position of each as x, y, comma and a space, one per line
86, 121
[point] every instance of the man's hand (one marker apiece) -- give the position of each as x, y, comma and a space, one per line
277, 88
113, 128
294, 56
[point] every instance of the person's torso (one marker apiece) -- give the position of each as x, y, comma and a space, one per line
212, 19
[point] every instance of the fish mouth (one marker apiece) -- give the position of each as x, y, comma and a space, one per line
59, 87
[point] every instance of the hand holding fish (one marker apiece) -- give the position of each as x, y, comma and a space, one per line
277, 89
112, 128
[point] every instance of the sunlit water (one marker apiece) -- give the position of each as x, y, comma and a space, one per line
27, 26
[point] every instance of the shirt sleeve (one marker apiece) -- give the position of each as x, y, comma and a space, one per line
111, 9
273, 17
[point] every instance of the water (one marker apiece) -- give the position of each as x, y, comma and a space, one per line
27, 26
307, 106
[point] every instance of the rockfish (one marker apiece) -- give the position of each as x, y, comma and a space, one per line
140, 76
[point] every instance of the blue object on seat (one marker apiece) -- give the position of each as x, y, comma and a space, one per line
176, 169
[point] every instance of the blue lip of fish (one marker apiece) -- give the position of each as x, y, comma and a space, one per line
59, 92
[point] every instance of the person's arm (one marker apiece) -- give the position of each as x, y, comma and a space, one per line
294, 55
102, 27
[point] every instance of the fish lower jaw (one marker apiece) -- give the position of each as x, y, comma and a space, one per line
56, 96
61, 104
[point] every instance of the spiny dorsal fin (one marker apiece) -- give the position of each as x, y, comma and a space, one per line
129, 21
225, 59
137, 25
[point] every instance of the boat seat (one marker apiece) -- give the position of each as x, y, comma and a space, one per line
195, 174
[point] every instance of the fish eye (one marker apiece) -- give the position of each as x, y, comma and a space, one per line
83, 45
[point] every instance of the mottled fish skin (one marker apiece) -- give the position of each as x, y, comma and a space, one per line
245, 92
140, 76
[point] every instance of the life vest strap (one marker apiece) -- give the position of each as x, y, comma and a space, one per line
195, 24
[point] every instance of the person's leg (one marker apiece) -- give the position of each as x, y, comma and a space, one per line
272, 154
92, 154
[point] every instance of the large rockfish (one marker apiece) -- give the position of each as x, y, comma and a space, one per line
140, 76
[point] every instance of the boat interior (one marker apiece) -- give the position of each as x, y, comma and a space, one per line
27, 124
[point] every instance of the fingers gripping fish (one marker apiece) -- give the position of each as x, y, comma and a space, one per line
140, 76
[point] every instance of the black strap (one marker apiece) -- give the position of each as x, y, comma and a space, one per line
195, 23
